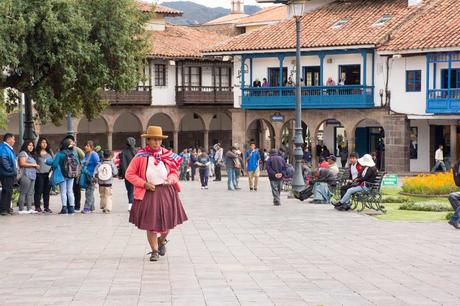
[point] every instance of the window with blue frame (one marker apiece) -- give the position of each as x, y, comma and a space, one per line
414, 80
454, 78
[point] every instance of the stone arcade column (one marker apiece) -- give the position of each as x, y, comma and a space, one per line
206, 140
453, 144
238, 127
176, 141
397, 140
110, 140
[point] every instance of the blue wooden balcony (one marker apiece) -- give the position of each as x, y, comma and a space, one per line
345, 96
443, 101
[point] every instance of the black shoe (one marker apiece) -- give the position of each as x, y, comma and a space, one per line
255, 189
4, 213
49, 211
64, 210
154, 256
336, 204
276, 203
251, 189
162, 247
454, 224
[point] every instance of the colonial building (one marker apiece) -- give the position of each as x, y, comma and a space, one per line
188, 95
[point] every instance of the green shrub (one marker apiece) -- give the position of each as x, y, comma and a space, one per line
396, 199
425, 206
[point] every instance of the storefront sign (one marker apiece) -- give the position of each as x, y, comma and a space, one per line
390, 180
277, 117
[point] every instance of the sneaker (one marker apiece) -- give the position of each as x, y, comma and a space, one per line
4, 213
251, 189
32, 211
38, 209
202, 187
129, 207
23, 212
86, 211
63, 210
206, 187
47, 210
454, 224
107, 211
255, 189
71, 210
154, 256
104, 211
276, 203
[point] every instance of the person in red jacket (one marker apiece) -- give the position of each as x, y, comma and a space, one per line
353, 172
157, 208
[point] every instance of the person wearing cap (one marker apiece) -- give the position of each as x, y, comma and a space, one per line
332, 161
157, 207
367, 176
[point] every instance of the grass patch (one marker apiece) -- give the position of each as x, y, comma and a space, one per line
395, 214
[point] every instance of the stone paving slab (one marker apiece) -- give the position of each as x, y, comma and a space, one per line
236, 249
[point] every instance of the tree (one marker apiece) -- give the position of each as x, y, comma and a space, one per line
63, 53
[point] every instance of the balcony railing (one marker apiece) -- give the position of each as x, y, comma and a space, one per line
443, 101
141, 96
202, 95
346, 96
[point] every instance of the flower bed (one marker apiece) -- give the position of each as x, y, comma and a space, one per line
430, 184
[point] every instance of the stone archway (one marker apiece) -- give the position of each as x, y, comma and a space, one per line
262, 132
369, 137
330, 138
126, 125
95, 130
287, 135
167, 124
220, 130
191, 131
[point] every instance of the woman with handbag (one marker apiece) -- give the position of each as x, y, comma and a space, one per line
27, 175
157, 208
42, 183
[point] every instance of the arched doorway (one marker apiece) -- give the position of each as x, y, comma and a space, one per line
287, 138
220, 130
262, 133
95, 130
370, 139
191, 132
331, 139
126, 125
166, 123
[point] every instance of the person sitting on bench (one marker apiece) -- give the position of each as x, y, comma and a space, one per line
366, 177
324, 178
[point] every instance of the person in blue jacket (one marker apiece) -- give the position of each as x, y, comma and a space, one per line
87, 174
8, 173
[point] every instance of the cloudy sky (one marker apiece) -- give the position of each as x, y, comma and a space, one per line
220, 3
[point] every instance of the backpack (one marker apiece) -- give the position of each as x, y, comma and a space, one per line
456, 173
70, 166
104, 172
304, 194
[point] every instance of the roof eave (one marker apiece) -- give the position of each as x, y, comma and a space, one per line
417, 51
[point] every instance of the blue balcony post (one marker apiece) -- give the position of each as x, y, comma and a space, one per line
321, 69
280, 82
435, 70
250, 71
364, 55
428, 58
373, 70
449, 78
243, 59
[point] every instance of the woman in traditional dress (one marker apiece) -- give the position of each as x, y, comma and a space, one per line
157, 207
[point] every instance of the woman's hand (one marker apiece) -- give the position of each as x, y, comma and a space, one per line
149, 186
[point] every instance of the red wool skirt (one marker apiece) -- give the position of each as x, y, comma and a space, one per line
160, 211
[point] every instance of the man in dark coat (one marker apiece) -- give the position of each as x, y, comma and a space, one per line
125, 158
276, 168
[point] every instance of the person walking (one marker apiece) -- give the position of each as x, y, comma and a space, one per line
8, 173
104, 173
157, 207
276, 168
232, 164
252, 158
89, 165
193, 159
66, 165
28, 168
218, 157
125, 159
439, 159
42, 183
203, 167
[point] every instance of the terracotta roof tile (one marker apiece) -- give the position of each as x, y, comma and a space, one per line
267, 15
436, 25
317, 30
227, 19
182, 41
159, 9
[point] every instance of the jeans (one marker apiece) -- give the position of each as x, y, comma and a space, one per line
276, 190
89, 197
439, 163
42, 187
7, 192
204, 176
77, 194
66, 188
254, 178
26, 189
105, 192
130, 190
454, 199
351, 191
218, 172
193, 172
231, 178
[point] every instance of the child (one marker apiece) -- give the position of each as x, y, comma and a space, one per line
104, 173
203, 162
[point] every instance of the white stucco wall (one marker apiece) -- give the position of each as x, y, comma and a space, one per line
165, 95
422, 163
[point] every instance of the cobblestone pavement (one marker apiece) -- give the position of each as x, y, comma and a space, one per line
236, 249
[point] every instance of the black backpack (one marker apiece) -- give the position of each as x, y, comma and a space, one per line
456, 173
304, 194
70, 165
